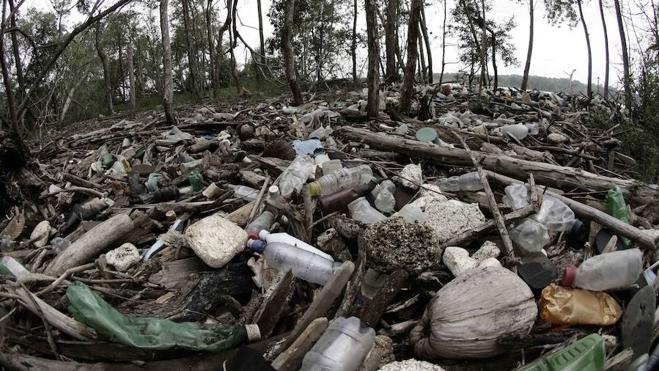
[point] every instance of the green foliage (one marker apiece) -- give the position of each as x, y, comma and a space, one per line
561, 12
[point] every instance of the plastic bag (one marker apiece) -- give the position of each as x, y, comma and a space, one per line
149, 333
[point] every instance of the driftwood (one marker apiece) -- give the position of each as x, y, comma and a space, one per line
548, 174
91, 244
291, 358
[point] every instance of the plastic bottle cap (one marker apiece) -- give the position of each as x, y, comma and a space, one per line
253, 332
263, 234
253, 235
569, 275
256, 245
314, 189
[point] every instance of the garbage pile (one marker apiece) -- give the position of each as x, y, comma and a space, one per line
491, 232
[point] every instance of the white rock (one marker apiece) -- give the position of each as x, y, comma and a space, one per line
216, 240
556, 138
40, 234
488, 250
433, 191
123, 257
489, 262
410, 365
452, 217
457, 260
411, 176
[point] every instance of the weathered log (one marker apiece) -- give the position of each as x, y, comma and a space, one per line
291, 359
547, 174
91, 244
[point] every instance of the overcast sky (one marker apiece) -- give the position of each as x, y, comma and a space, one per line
557, 51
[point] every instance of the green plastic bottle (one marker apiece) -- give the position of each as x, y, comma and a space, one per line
615, 204
587, 354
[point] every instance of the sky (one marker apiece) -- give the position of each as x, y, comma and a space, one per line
556, 52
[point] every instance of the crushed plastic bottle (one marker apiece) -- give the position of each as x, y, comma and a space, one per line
566, 306
362, 211
340, 180
383, 195
262, 223
586, 354
517, 196
246, 193
555, 215
290, 240
530, 236
469, 182
342, 347
519, 131
618, 269
304, 265
296, 175
340, 200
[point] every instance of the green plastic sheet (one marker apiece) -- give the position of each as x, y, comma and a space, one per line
615, 204
149, 333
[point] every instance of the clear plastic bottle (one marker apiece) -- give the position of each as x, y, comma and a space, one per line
305, 265
296, 175
612, 270
262, 223
331, 166
246, 193
530, 236
342, 347
516, 196
555, 215
519, 131
340, 180
383, 195
290, 240
469, 182
362, 211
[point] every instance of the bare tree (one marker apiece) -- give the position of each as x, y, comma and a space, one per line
192, 58
261, 37
211, 44
106, 68
287, 53
424, 31
390, 41
589, 89
529, 52
625, 56
353, 47
606, 49
131, 72
412, 54
167, 85
372, 107
15, 48
441, 74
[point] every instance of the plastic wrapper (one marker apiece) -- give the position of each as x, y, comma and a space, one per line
564, 306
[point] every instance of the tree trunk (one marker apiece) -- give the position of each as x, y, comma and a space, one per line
372, 107
69, 99
494, 60
412, 54
192, 61
529, 52
220, 53
441, 74
589, 90
131, 74
422, 59
606, 49
167, 85
424, 30
484, 75
321, 37
9, 91
106, 68
353, 48
287, 53
479, 48
625, 57
211, 45
261, 37
16, 51
390, 41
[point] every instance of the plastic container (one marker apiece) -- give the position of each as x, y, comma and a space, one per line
517, 196
305, 265
296, 175
339, 201
383, 195
519, 131
469, 182
612, 270
342, 347
555, 215
340, 180
530, 236
587, 354
246, 193
362, 211
290, 240
261, 223
615, 204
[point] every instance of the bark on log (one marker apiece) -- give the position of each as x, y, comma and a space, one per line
91, 244
547, 174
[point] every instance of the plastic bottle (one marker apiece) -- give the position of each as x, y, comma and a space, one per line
362, 211
331, 166
342, 347
262, 223
60, 243
339, 201
615, 204
555, 215
566, 306
340, 180
516, 196
305, 265
290, 240
519, 131
530, 236
296, 175
612, 270
587, 354
383, 195
469, 182
246, 193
